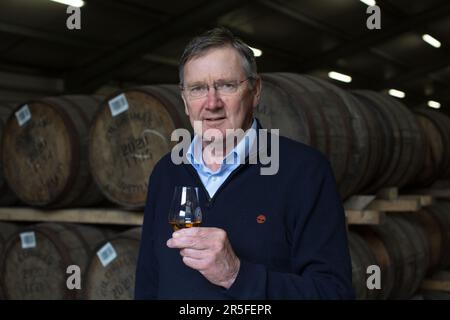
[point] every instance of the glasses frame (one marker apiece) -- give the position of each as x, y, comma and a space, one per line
214, 85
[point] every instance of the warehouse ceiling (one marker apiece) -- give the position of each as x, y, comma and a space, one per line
133, 42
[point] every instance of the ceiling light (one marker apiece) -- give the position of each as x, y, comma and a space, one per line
431, 41
396, 93
434, 104
339, 76
256, 52
369, 2
72, 3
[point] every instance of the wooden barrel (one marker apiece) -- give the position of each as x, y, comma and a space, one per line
362, 257
128, 136
365, 147
337, 126
6, 230
408, 252
276, 97
441, 213
45, 152
404, 142
7, 197
383, 260
435, 295
413, 142
436, 130
420, 255
435, 235
384, 152
307, 112
36, 260
113, 278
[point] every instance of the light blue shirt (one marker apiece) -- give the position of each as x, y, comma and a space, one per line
212, 180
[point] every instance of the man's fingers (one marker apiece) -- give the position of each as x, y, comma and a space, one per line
187, 242
186, 232
196, 231
197, 264
193, 253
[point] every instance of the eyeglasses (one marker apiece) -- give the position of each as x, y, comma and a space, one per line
222, 87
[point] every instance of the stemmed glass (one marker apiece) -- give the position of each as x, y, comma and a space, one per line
185, 211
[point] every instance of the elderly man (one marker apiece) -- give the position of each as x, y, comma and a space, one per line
279, 236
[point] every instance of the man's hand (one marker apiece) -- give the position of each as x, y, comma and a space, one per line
208, 251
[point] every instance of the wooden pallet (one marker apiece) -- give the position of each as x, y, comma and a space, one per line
439, 190
82, 215
435, 193
371, 209
359, 210
439, 281
364, 217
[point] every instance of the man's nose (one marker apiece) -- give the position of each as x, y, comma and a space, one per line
213, 99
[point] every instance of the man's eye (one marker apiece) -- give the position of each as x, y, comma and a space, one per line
197, 89
226, 86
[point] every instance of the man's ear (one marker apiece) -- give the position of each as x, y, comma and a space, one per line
257, 92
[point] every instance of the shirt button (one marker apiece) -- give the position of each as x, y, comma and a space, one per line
213, 178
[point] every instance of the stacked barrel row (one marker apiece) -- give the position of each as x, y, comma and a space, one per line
55, 148
407, 247
78, 150
35, 262
34, 259
371, 139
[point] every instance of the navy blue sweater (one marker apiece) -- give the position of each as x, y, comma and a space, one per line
300, 251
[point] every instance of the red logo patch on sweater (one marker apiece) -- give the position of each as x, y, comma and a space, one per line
261, 218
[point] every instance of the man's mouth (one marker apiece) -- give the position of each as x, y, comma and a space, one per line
214, 119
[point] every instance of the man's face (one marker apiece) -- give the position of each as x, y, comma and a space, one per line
216, 110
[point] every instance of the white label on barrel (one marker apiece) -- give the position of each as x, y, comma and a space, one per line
23, 115
106, 254
28, 240
118, 104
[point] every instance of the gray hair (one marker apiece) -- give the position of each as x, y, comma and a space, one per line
216, 38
